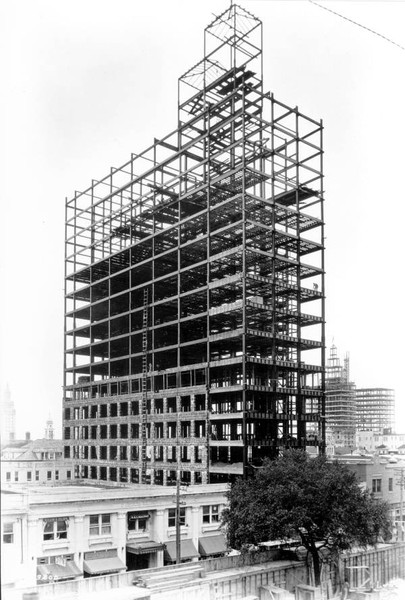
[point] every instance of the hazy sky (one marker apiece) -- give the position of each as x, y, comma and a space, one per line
86, 83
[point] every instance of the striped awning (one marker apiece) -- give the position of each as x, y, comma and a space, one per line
144, 547
97, 566
58, 572
187, 550
213, 544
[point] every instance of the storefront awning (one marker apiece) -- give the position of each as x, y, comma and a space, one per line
187, 550
213, 544
58, 572
97, 566
144, 547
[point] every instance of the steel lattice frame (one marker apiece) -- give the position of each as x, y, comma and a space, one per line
220, 226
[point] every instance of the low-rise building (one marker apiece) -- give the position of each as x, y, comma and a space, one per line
34, 462
366, 440
71, 531
383, 476
384, 443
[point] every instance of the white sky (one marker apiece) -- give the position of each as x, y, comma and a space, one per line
86, 83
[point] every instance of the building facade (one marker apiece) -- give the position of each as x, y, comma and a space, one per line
195, 285
383, 476
33, 462
73, 531
340, 403
392, 443
376, 410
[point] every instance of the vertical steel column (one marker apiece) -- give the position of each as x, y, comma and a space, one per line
322, 427
301, 431
244, 320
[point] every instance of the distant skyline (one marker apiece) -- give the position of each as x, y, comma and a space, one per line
87, 84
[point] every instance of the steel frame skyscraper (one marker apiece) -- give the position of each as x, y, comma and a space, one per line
194, 325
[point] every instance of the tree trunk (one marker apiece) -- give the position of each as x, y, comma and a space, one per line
317, 565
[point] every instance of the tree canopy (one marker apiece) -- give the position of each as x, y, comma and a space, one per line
308, 498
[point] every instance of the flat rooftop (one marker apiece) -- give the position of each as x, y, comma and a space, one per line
56, 494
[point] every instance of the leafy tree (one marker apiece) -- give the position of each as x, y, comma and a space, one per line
309, 498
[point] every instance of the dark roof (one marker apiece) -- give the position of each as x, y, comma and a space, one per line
45, 444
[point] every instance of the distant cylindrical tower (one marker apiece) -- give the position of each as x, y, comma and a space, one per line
7, 411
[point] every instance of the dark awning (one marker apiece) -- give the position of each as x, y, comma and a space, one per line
213, 544
144, 547
97, 566
58, 572
187, 550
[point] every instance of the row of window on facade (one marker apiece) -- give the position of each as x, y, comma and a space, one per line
101, 524
132, 431
132, 475
155, 452
377, 487
125, 409
35, 476
155, 431
6, 455
193, 377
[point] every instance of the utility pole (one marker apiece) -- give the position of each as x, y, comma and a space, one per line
178, 539
400, 482
178, 531
401, 503
178, 500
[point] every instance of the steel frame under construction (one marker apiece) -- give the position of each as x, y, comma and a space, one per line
194, 320
340, 400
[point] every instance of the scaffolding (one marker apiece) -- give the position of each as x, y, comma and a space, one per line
340, 406
219, 225
375, 410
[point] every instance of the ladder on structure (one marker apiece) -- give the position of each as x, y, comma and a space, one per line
143, 410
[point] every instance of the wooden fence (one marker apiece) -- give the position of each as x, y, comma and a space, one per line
233, 577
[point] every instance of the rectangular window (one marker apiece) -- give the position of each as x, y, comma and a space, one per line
390, 484
36, 475
138, 521
15, 475
29, 475
211, 514
49, 475
172, 517
100, 524
56, 475
376, 485
8, 476
61, 559
8, 533
68, 474
55, 529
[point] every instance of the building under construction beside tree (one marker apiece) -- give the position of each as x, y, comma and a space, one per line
194, 319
